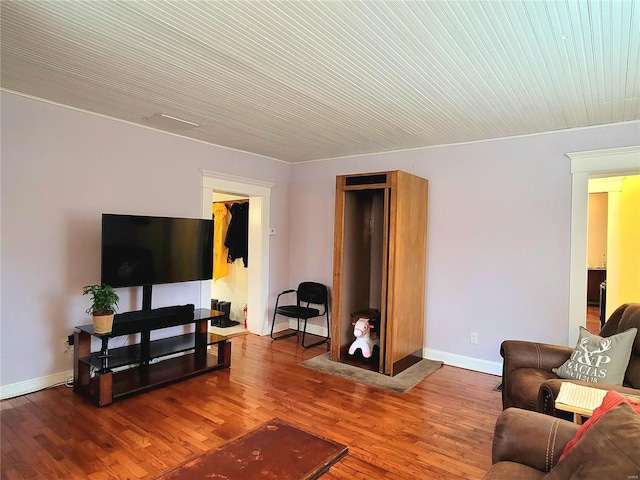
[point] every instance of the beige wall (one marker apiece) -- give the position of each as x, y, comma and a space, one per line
623, 237
597, 241
629, 280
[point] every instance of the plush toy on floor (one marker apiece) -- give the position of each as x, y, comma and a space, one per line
365, 339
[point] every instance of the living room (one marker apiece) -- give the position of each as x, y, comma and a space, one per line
499, 265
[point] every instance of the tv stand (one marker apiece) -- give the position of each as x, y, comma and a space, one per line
147, 291
107, 375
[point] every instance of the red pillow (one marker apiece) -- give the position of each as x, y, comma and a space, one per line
611, 399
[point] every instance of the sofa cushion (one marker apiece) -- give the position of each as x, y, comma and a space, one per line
610, 449
611, 400
597, 359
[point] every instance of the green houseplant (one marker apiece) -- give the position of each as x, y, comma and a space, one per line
104, 301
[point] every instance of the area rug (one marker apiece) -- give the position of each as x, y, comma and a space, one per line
275, 449
402, 382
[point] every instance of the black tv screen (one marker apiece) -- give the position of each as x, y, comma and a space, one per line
141, 250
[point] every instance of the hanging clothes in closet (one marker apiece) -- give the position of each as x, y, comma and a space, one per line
237, 240
220, 252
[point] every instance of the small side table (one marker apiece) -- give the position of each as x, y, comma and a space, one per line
578, 413
579, 399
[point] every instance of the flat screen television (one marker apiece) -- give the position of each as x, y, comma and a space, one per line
143, 251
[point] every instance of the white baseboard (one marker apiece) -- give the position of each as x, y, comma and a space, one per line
470, 363
453, 359
313, 329
33, 385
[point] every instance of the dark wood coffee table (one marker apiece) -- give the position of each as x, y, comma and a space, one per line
273, 450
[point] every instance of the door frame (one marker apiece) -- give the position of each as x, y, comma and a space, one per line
259, 194
585, 165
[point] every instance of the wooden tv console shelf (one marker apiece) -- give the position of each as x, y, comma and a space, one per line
107, 374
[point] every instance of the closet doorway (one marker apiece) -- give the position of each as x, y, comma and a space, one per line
230, 274
259, 194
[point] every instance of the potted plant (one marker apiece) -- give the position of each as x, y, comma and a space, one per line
104, 301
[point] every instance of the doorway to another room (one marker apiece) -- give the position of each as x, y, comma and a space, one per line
623, 162
613, 236
258, 194
229, 288
596, 256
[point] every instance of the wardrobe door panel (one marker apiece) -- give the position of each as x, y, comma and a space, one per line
378, 233
407, 272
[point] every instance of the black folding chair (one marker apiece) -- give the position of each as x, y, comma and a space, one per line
308, 293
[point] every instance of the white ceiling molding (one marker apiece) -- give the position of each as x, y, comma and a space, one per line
168, 122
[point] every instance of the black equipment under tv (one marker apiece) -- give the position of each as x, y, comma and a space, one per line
143, 250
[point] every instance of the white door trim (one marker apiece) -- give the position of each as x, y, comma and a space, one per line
585, 165
259, 193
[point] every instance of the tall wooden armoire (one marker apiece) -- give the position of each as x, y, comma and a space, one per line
379, 263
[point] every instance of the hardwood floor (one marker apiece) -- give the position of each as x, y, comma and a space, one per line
441, 429
593, 320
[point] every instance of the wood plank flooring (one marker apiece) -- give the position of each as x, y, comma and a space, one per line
593, 320
441, 429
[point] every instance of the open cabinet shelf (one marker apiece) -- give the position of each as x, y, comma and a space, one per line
379, 264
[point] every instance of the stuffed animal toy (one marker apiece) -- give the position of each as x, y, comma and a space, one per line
365, 339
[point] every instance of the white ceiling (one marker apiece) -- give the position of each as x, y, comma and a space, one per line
305, 80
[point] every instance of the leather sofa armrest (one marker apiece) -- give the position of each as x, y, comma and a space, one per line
530, 438
521, 354
549, 392
541, 356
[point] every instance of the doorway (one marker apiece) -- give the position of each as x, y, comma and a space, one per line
596, 253
230, 277
621, 229
585, 166
259, 195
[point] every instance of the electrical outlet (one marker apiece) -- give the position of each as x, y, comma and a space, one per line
66, 348
474, 338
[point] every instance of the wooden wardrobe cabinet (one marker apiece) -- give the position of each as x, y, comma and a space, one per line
379, 263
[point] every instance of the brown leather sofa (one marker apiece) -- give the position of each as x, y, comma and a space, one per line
529, 383
528, 446
521, 448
